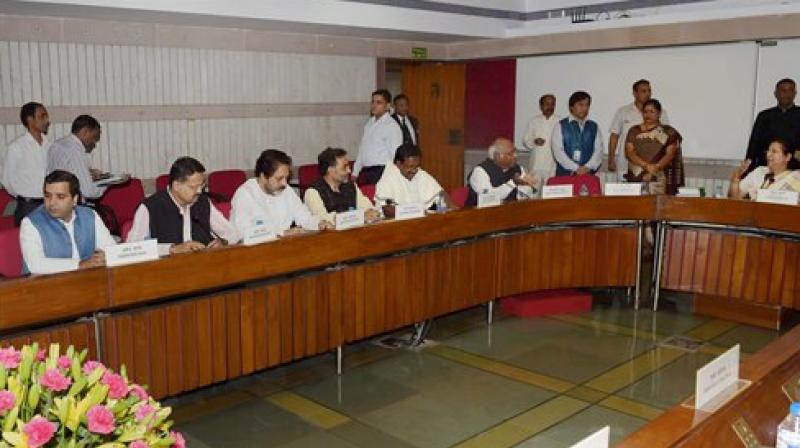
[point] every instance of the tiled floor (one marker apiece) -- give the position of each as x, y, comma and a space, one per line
541, 382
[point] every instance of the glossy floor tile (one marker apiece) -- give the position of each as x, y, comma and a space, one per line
539, 382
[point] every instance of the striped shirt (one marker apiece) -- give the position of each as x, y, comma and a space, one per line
69, 154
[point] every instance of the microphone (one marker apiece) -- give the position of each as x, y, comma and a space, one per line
205, 229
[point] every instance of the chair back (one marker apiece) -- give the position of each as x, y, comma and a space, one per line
369, 191
162, 181
11, 261
122, 200
459, 195
223, 184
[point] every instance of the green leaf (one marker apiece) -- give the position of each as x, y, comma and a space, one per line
14, 438
77, 387
10, 419
95, 376
33, 396
3, 375
75, 369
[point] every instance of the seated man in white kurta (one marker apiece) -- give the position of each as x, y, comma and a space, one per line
267, 200
405, 182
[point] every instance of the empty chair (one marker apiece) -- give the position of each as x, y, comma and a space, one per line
5, 199
590, 181
459, 195
369, 191
307, 175
125, 229
223, 184
11, 261
161, 182
224, 208
122, 200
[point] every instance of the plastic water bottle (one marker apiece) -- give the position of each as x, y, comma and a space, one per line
441, 203
789, 429
584, 191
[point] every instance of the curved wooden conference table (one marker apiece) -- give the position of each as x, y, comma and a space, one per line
188, 321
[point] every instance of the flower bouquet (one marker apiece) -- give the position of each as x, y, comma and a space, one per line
49, 399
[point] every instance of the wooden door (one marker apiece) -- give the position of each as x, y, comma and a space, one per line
436, 97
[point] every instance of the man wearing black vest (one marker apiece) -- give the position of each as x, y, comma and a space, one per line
500, 174
182, 216
334, 192
408, 124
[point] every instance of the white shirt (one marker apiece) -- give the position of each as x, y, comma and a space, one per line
140, 230
25, 165
33, 250
480, 182
542, 161
252, 206
393, 185
379, 142
564, 160
625, 118
69, 154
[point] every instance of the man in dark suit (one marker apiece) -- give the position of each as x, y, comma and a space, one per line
408, 124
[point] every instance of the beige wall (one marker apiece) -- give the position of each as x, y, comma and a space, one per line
161, 91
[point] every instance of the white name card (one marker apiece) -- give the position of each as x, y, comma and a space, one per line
127, 253
348, 220
409, 211
557, 191
689, 192
490, 199
772, 196
600, 439
257, 235
623, 189
717, 376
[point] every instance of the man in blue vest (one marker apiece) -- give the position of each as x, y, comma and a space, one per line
61, 235
577, 141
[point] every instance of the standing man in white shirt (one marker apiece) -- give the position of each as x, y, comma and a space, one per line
182, 217
409, 125
380, 140
500, 174
577, 141
625, 118
71, 154
537, 138
267, 200
61, 235
26, 160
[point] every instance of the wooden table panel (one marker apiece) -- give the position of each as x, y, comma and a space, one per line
47, 298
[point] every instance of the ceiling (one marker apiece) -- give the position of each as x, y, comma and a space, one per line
444, 21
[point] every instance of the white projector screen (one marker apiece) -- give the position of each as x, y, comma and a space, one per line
707, 90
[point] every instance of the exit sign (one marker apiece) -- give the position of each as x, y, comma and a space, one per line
419, 53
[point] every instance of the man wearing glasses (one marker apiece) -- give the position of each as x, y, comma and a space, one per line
500, 174
182, 215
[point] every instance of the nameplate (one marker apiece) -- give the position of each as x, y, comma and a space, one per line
491, 199
409, 211
689, 192
257, 235
557, 191
716, 377
623, 189
348, 220
127, 253
773, 196
600, 439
